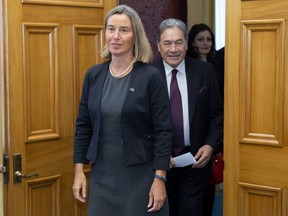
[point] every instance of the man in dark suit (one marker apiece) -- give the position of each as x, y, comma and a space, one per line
201, 126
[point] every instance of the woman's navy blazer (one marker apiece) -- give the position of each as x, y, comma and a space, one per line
146, 125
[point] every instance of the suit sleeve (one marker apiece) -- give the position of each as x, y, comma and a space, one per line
215, 129
162, 122
83, 129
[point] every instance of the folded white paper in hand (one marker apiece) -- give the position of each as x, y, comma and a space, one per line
184, 160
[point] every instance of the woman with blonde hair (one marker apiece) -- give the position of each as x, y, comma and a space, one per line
123, 126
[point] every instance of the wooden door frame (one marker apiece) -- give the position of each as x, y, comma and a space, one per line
231, 107
1, 101
200, 12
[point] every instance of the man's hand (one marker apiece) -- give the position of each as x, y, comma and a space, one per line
203, 156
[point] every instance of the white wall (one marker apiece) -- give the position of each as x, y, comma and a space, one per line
220, 14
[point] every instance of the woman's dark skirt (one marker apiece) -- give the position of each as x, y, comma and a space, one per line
114, 188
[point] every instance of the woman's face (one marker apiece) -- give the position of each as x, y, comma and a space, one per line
203, 41
119, 35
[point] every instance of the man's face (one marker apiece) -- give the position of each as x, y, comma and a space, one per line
172, 46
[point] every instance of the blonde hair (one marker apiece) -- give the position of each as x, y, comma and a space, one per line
142, 50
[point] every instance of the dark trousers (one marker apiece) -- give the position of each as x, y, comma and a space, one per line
208, 200
185, 192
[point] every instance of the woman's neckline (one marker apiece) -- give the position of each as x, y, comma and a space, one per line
123, 73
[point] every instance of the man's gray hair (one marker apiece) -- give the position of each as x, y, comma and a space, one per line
169, 23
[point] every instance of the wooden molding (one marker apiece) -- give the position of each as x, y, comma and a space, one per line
41, 81
262, 82
75, 3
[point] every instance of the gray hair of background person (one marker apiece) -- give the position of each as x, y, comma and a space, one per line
142, 50
169, 23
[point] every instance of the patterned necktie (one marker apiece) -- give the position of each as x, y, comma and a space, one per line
177, 114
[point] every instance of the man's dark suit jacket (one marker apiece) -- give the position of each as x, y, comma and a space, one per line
146, 125
205, 107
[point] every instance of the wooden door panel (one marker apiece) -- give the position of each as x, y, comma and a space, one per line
78, 3
260, 200
264, 9
51, 45
262, 74
63, 15
256, 88
87, 43
41, 81
43, 196
262, 165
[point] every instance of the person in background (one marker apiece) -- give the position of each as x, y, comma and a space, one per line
124, 126
199, 129
201, 45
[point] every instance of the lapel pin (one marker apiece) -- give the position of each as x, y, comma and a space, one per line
132, 89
